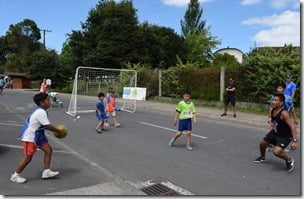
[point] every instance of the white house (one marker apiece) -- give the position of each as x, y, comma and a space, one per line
238, 54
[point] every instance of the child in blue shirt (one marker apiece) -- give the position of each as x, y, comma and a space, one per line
100, 112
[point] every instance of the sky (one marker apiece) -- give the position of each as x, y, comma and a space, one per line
241, 24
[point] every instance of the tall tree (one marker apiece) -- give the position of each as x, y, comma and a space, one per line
22, 40
110, 33
24, 36
192, 20
3, 52
160, 46
198, 40
51, 68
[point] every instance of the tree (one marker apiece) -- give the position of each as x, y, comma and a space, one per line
199, 47
110, 34
269, 66
192, 20
226, 60
160, 46
111, 37
198, 40
45, 64
3, 53
24, 36
22, 40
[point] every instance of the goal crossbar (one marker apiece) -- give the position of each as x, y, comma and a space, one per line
89, 81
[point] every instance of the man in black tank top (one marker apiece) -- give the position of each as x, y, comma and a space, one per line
282, 133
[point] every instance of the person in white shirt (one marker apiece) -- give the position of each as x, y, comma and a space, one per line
32, 136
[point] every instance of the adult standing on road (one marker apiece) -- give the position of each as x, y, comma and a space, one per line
43, 86
291, 87
230, 97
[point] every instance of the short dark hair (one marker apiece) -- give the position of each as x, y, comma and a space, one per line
187, 92
282, 84
101, 95
40, 97
280, 96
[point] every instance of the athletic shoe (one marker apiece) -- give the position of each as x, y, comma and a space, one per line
49, 174
17, 179
223, 114
106, 124
117, 124
99, 130
171, 143
290, 165
189, 148
234, 115
259, 160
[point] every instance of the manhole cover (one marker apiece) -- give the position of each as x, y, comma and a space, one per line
159, 190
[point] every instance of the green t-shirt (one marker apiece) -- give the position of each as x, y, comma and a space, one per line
185, 110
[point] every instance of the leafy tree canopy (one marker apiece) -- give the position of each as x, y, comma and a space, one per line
269, 66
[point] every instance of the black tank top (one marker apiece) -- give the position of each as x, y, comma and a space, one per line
280, 127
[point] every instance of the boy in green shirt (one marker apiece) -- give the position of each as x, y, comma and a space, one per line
185, 111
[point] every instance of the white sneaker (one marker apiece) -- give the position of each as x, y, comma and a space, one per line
49, 174
117, 124
17, 179
106, 124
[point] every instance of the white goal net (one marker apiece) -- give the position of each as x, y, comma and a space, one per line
90, 81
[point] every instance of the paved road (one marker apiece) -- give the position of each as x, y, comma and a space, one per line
119, 160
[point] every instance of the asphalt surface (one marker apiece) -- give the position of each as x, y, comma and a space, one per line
120, 160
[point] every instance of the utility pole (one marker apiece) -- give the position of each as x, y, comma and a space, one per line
44, 36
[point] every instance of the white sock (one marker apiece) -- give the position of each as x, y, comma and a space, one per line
45, 170
15, 174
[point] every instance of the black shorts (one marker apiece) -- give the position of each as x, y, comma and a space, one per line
229, 99
272, 138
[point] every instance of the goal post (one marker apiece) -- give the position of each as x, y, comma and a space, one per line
89, 81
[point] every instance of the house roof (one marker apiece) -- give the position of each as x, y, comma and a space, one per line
225, 49
14, 74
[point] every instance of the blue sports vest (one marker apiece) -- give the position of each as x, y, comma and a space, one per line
40, 137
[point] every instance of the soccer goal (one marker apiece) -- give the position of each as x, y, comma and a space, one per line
90, 81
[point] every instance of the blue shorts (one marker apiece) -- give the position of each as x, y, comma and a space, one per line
185, 125
40, 138
101, 118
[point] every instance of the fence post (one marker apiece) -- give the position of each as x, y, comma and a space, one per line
159, 83
222, 83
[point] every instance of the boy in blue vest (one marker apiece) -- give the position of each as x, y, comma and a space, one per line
33, 137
